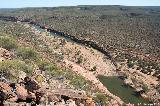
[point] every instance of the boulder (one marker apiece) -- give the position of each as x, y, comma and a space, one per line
6, 93
31, 95
70, 102
5, 86
128, 82
12, 99
21, 92
22, 74
3, 96
31, 85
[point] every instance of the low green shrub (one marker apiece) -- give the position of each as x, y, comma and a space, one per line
42, 65
145, 87
78, 82
100, 99
130, 64
11, 68
27, 53
80, 60
7, 43
49, 68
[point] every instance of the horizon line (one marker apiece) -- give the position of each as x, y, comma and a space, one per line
76, 6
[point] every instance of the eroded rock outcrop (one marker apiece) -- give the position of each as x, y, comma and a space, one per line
29, 91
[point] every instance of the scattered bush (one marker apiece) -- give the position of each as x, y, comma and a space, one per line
42, 64
80, 59
145, 87
11, 68
78, 53
49, 68
101, 99
158, 88
130, 64
78, 82
119, 58
39, 78
7, 43
94, 68
27, 53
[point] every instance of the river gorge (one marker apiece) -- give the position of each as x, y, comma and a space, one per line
114, 84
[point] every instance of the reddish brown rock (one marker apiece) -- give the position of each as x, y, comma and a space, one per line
21, 92
6, 93
90, 102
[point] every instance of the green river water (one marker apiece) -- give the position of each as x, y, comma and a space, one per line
116, 86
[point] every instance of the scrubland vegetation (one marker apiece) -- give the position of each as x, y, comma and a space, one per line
115, 26
25, 58
133, 30
129, 34
27, 55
